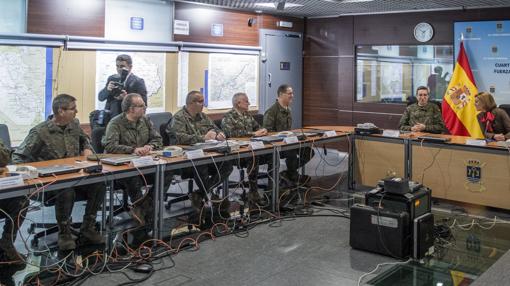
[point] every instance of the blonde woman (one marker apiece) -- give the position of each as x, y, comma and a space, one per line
495, 122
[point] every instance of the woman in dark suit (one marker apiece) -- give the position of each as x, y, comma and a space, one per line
495, 122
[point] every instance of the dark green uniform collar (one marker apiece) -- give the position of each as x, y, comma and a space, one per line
54, 128
241, 113
281, 108
199, 116
129, 124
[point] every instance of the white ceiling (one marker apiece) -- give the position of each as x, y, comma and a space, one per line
324, 8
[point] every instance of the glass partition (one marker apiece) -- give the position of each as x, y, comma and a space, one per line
391, 74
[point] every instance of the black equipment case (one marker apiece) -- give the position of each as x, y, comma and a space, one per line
380, 231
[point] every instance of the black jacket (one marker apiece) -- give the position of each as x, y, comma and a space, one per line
133, 84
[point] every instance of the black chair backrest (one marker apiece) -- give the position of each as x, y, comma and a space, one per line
99, 118
159, 118
217, 122
4, 135
259, 118
505, 107
96, 137
438, 103
162, 131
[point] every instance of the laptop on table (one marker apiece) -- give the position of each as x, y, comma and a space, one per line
118, 160
58, 170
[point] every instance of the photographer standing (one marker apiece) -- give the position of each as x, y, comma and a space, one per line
120, 84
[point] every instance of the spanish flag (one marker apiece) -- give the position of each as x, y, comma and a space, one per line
459, 112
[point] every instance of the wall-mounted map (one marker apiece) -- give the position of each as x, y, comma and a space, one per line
24, 84
229, 74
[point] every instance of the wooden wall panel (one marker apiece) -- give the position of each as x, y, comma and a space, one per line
382, 120
345, 118
345, 83
322, 87
235, 24
329, 37
327, 116
321, 38
63, 17
269, 22
335, 39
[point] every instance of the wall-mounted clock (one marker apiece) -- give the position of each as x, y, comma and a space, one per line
423, 32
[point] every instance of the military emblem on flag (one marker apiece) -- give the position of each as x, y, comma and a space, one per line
460, 96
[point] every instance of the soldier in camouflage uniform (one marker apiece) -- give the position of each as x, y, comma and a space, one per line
279, 118
189, 126
238, 122
131, 132
422, 116
12, 207
56, 138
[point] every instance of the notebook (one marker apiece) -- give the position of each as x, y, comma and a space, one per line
117, 161
57, 170
434, 139
313, 132
268, 139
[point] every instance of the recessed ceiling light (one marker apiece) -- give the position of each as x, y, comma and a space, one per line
273, 5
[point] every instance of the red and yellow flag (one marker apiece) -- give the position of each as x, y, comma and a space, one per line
459, 112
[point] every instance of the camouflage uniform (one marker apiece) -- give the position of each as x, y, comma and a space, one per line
123, 137
5, 155
48, 141
12, 207
429, 115
236, 124
186, 130
276, 119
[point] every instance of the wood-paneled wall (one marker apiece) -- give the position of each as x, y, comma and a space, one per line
64, 17
236, 30
87, 18
329, 82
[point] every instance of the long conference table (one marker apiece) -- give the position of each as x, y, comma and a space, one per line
160, 167
454, 171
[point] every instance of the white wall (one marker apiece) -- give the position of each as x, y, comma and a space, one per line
156, 14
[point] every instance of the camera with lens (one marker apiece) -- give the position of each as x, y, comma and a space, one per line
117, 88
118, 84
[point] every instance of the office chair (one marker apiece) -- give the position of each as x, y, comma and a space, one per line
95, 139
161, 121
505, 107
4, 136
241, 167
259, 118
48, 200
233, 184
